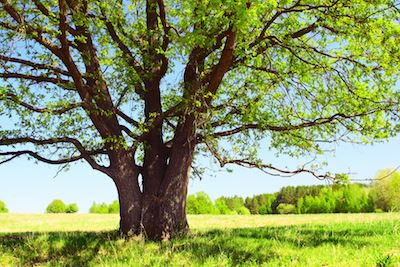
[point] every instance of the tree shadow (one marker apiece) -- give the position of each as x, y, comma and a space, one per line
68, 248
238, 246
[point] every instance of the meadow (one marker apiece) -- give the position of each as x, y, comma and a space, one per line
215, 240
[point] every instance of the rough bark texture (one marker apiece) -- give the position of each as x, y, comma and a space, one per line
125, 177
158, 211
158, 215
164, 209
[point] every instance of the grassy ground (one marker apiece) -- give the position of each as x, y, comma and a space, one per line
273, 240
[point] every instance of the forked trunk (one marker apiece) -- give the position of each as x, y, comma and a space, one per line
159, 212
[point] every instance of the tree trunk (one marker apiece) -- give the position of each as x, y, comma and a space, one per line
160, 211
126, 181
158, 214
164, 216
164, 211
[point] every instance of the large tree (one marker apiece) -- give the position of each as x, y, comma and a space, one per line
138, 88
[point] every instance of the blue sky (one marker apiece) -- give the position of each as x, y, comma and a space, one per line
27, 187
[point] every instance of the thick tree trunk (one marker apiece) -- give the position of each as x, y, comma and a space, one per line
164, 210
159, 212
164, 216
129, 194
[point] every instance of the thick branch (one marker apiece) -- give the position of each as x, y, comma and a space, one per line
278, 171
216, 75
35, 34
126, 117
35, 155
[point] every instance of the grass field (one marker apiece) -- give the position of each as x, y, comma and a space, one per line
271, 240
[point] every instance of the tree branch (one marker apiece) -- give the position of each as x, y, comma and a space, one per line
36, 66
288, 128
218, 71
114, 36
84, 154
264, 167
126, 117
15, 99
36, 34
38, 79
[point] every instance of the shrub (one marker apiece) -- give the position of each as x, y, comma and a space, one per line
3, 208
56, 206
72, 208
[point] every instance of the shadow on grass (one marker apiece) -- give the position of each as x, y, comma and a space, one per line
66, 248
238, 246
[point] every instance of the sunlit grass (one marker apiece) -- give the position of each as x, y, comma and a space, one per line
273, 240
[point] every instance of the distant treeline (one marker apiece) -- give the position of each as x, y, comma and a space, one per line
104, 208
381, 196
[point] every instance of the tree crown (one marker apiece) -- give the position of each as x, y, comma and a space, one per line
84, 80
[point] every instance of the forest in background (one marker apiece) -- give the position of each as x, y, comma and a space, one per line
382, 195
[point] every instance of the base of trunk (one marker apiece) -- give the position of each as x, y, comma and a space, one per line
165, 231
163, 220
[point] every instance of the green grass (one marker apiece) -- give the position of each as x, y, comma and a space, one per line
272, 240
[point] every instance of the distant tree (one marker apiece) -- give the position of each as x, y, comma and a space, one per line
299, 206
56, 206
72, 208
99, 208
266, 201
221, 206
288, 195
386, 190
260, 204
200, 203
113, 207
327, 200
251, 203
243, 211
235, 203
3, 208
309, 205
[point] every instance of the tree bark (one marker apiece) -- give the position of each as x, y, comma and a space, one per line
125, 177
159, 212
164, 213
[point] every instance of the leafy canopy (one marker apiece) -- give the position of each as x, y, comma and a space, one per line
299, 74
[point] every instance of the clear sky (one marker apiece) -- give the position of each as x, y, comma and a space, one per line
27, 187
